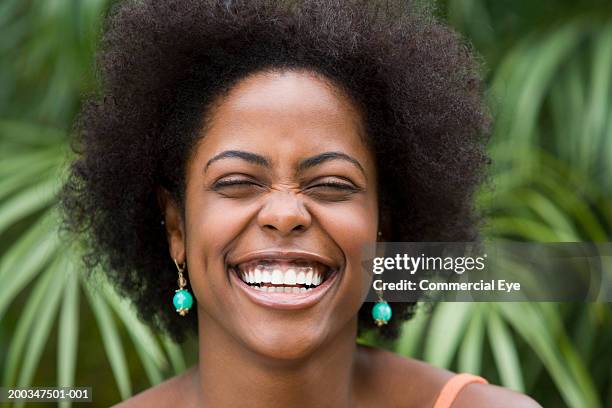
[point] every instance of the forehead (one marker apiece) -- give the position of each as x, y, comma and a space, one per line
285, 113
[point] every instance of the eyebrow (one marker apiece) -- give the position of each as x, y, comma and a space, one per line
327, 156
303, 165
240, 154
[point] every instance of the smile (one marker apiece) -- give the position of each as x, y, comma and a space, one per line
284, 281
282, 276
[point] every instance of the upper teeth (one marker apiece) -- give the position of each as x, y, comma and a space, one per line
276, 274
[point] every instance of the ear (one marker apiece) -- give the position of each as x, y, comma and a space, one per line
384, 227
384, 224
175, 229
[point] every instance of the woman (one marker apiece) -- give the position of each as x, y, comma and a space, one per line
240, 155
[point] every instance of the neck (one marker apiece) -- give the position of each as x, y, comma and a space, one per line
229, 375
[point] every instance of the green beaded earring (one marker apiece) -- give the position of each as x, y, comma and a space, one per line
182, 298
381, 312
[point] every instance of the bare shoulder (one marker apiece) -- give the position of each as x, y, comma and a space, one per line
413, 383
167, 393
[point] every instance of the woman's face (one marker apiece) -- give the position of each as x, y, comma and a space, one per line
280, 197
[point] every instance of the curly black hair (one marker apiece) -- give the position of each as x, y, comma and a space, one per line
161, 65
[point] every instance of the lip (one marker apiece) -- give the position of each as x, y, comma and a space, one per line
285, 254
285, 301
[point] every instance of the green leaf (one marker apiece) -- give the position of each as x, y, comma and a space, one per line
470, 353
525, 228
567, 102
524, 77
594, 123
27, 202
175, 354
37, 301
21, 178
549, 212
504, 352
46, 317
448, 324
25, 133
68, 333
111, 340
154, 373
412, 334
24, 259
570, 355
140, 333
535, 330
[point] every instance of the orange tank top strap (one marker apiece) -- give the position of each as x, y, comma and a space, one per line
451, 389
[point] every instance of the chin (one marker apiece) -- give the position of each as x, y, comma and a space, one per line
284, 342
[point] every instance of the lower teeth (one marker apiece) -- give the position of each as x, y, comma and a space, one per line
281, 289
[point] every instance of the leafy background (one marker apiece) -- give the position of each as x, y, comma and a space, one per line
548, 67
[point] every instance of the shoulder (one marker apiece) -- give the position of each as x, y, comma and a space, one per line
412, 383
488, 395
170, 392
404, 382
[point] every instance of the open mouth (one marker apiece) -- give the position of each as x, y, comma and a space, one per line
283, 275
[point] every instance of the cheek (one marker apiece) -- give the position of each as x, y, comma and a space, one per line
350, 225
212, 223
353, 229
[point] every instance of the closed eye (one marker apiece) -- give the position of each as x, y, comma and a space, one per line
232, 182
236, 186
339, 186
332, 189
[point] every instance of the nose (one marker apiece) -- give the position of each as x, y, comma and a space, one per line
285, 213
